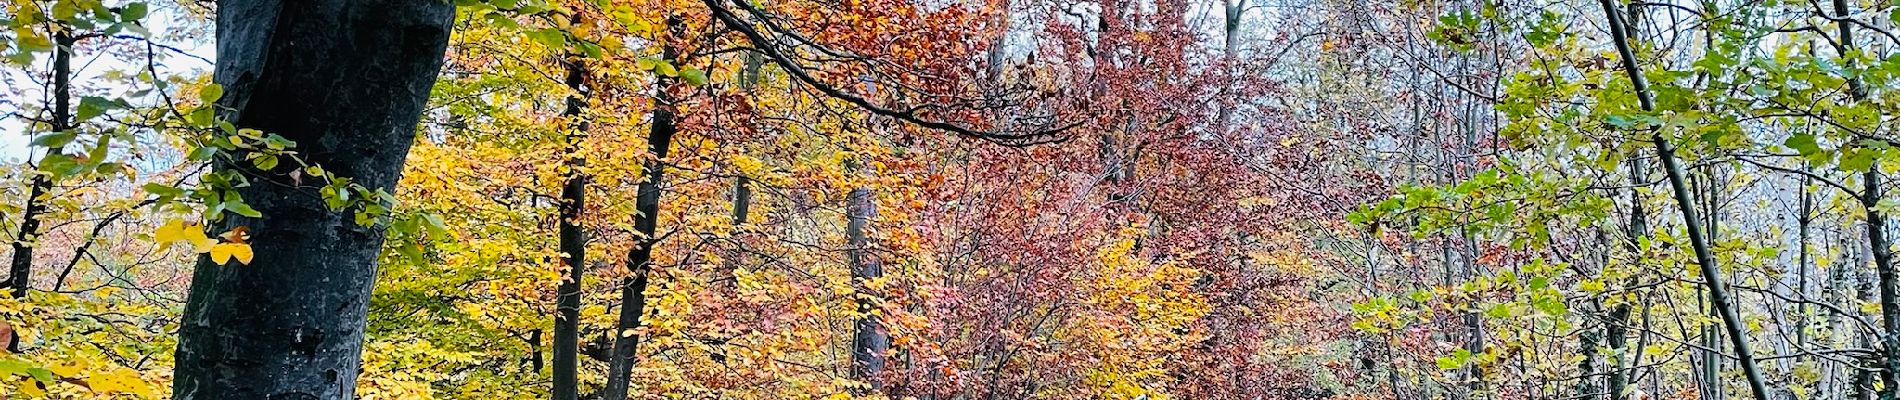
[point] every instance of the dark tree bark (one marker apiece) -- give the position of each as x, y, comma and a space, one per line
741, 209
1618, 326
1861, 384
573, 239
1711, 273
1637, 231
633, 299
1876, 232
1586, 369
742, 187
870, 341
346, 80
1804, 222
20, 273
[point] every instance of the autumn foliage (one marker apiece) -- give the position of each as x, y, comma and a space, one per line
999, 199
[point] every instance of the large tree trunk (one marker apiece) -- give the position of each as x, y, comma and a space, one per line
346, 80
573, 239
1711, 273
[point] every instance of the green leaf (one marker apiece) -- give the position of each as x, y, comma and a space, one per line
110, 168
436, 227
202, 153
1802, 143
551, 37
405, 226
589, 50
132, 12
14, 367
163, 190
60, 165
1551, 305
201, 117
211, 93
242, 209
1499, 311
41, 374
413, 252
55, 140
93, 106
100, 149
1858, 159
693, 76
264, 162
65, 10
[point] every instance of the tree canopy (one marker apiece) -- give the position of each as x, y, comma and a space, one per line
994, 199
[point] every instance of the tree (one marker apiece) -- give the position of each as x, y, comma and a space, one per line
567, 318
20, 272
290, 324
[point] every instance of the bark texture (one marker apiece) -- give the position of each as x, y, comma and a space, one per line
346, 80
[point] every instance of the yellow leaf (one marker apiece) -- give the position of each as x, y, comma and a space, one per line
223, 252
177, 230
120, 381
171, 232
31, 388
65, 369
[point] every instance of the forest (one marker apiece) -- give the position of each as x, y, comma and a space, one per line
949, 199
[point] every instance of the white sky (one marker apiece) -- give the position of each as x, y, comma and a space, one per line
29, 88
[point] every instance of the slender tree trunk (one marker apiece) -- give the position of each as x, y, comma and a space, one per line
573, 239
1473, 320
1618, 329
741, 208
633, 299
1876, 231
1637, 232
997, 55
1711, 338
1883, 267
20, 275
870, 342
1804, 223
290, 324
742, 187
1586, 384
1711, 272
1230, 49
1862, 384
1642, 342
